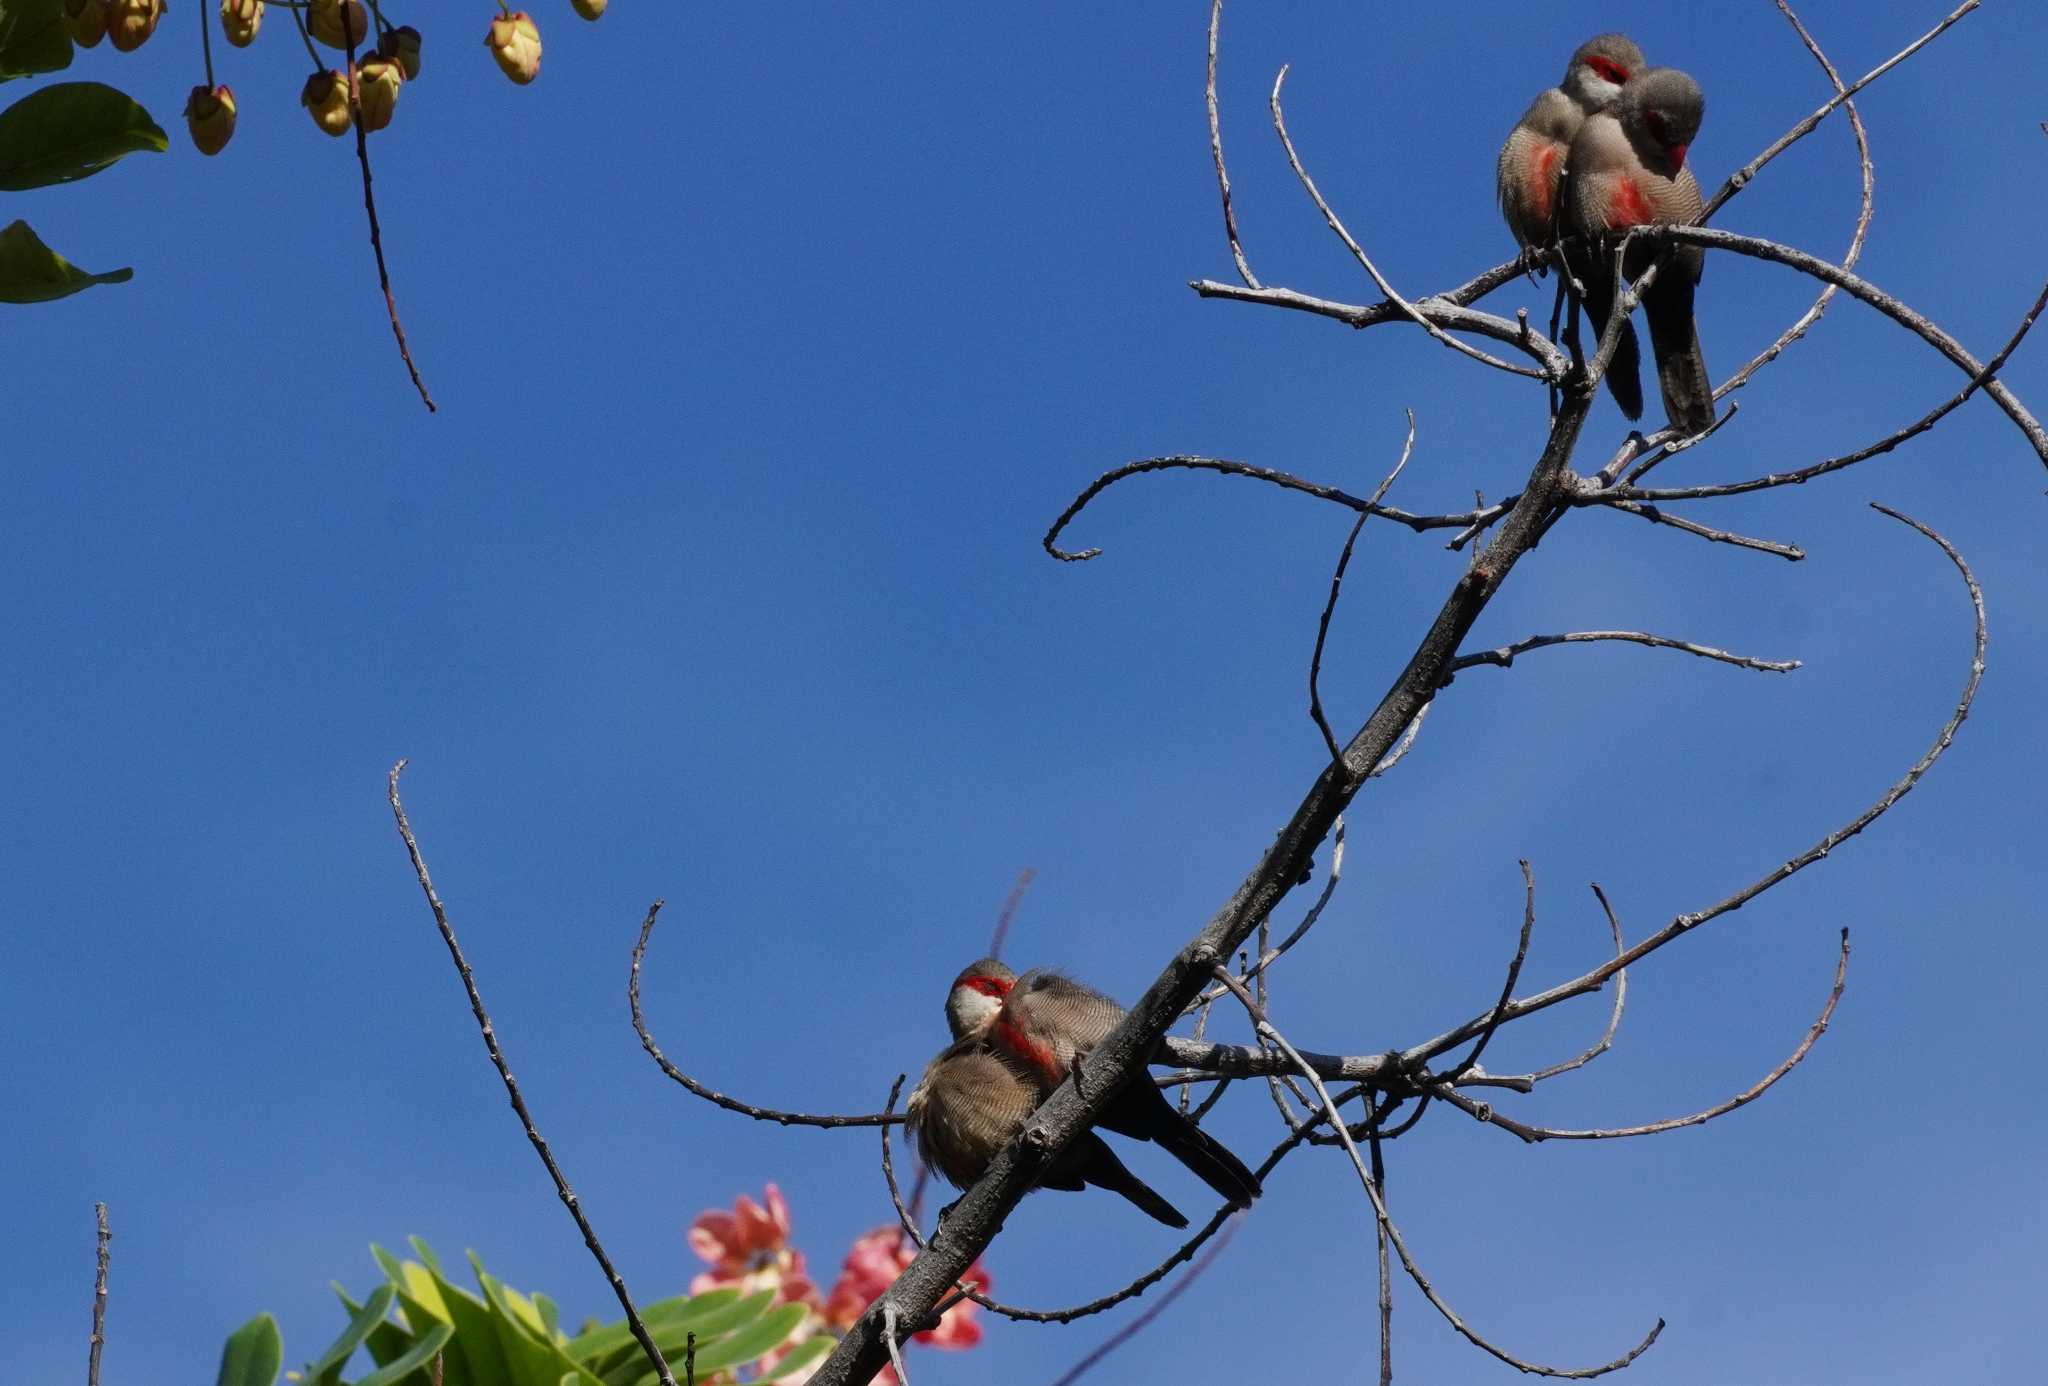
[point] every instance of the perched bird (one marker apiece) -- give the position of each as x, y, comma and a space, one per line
1628, 169
1047, 1022
972, 1101
1532, 162
1532, 166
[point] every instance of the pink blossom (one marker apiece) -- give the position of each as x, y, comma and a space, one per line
873, 1263
749, 1248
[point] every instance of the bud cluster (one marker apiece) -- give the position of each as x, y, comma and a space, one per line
381, 57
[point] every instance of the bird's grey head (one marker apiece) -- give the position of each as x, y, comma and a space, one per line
977, 996
1661, 111
1600, 68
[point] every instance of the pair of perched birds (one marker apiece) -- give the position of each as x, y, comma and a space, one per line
1015, 1039
1600, 152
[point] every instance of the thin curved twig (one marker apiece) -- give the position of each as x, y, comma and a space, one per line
1144, 1318
1009, 910
1606, 1040
719, 1099
1507, 990
1315, 663
1790, 552
1284, 480
1244, 268
1686, 923
1267, 957
1740, 178
1533, 1134
1806, 320
1365, 261
533, 1135
1503, 656
1379, 1207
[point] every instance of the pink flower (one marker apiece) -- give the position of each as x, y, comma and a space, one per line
873, 1263
749, 1248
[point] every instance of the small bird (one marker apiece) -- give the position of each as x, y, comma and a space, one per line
971, 1103
1048, 1022
1532, 162
1532, 167
1628, 169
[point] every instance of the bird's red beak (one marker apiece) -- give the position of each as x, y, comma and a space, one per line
1676, 153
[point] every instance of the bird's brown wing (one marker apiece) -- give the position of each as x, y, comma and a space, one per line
967, 1106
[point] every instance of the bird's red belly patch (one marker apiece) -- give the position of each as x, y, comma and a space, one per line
1041, 1058
1629, 207
1542, 179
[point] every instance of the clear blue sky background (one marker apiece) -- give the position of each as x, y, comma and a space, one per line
768, 340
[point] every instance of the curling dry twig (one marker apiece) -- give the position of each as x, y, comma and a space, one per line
1533, 1134
1144, 1318
1315, 663
490, 1037
1606, 1040
1507, 990
1244, 268
1266, 1030
719, 1099
355, 107
1009, 910
1686, 923
1504, 655
1365, 261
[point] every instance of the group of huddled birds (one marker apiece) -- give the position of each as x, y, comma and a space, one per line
1601, 151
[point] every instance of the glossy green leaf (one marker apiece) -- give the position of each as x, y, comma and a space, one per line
31, 272
476, 1336
386, 1341
599, 1340
764, 1335
428, 1258
550, 1316
327, 1370
626, 1365
252, 1354
807, 1353
32, 38
71, 130
535, 1359
415, 1358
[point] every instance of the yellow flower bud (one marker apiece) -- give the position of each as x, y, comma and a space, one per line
87, 21
240, 19
325, 95
515, 42
377, 84
325, 20
210, 116
589, 9
131, 22
402, 46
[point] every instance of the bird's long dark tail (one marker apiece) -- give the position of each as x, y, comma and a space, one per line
1675, 341
1625, 368
1097, 1164
1142, 1112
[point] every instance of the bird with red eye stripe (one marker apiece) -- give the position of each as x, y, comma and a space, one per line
1628, 168
1532, 162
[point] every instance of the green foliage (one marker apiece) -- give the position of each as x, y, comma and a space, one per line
506, 1338
71, 130
32, 38
31, 272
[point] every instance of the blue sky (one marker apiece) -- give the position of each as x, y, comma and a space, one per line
768, 341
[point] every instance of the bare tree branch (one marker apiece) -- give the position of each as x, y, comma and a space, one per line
1244, 268
1606, 1040
1503, 656
1483, 1112
1144, 1319
1507, 990
719, 1099
1315, 663
1379, 1207
99, 1296
490, 1036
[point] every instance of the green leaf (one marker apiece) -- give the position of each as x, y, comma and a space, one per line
31, 272
764, 1335
804, 1354
627, 1364
32, 38
71, 130
534, 1357
550, 1316
599, 1340
252, 1354
416, 1357
428, 1258
387, 1341
327, 1371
